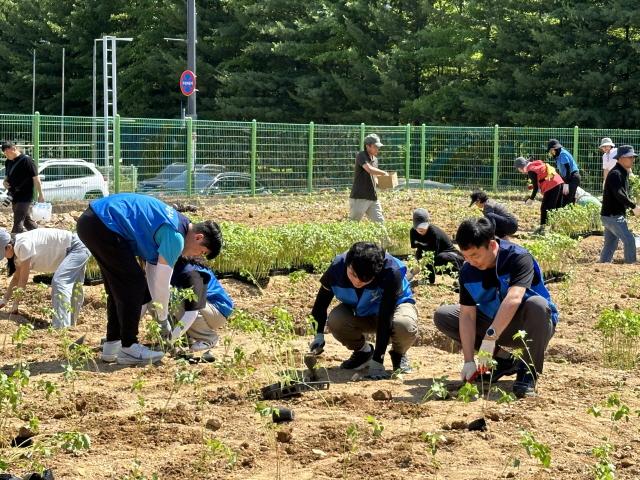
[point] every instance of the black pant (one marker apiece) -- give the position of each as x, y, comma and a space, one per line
573, 180
504, 225
551, 200
22, 220
453, 259
124, 279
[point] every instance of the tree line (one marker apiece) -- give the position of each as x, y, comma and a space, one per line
476, 62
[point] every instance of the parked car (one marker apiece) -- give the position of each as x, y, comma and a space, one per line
233, 183
68, 179
173, 177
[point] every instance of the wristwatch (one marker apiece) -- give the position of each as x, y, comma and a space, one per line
491, 333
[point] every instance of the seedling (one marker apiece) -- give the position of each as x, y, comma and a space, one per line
468, 392
351, 446
437, 390
182, 376
215, 448
505, 397
620, 331
535, 449
433, 441
376, 427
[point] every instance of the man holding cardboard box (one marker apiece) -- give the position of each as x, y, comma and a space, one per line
363, 199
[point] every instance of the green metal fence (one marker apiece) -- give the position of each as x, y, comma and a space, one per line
203, 157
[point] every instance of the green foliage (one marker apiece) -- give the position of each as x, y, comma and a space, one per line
575, 220
620, 331
72, 442
468, 392
437, 390
216, 448
505, 397
21, 335
604, 469
433, 440
553, 252
535, 449
376, 427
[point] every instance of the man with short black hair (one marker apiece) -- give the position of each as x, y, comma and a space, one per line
119, 228
615, 203
375, 297
505, 222
21, 175
363, 199
502, 292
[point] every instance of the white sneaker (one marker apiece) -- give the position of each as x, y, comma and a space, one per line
200, 346
110, 351
138, 354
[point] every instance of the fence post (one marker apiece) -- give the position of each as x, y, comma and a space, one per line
407, 155
310, 159
496, 151
35, 136
423, 153
576, 143
254, 154
362, 135
189, 121
116, 154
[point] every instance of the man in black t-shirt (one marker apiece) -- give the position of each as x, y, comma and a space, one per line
426, 237
505, 222
21, 175
502, 294
363, 199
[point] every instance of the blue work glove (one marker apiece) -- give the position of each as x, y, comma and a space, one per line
377, 371
317, 344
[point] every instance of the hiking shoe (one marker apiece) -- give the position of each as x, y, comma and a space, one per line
525, 384
110, 351
358, 360
505, 367
200, 346
400, 362
138, 354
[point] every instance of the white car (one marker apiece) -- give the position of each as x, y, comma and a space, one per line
69, 179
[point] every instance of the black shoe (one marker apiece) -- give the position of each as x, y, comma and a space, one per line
505, 367
357, 360
400, 362
525, 384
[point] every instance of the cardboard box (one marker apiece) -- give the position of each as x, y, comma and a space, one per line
389, 181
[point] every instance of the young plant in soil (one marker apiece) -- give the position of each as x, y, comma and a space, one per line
136, 473
433, 441
376, 426
535, 449
20, 336
620, 330
184, 375
351, 445
11, 396
215, 448
267, 413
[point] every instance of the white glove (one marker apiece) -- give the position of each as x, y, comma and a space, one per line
528, 201
636, 211
158, 281
469, 370
187, 320
487, 347
565, 189
317, 344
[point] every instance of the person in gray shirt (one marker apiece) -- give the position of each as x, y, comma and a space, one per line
505, 222
363, 199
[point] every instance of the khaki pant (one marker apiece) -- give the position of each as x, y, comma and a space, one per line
205, 328
359, 207
349, 330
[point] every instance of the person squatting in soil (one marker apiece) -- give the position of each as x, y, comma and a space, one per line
48, 250
427, 237
568, 169
615, 202
21, 176
364, 199
202, 317
374, 296
501, 293
119, 228
544, 177
505, 222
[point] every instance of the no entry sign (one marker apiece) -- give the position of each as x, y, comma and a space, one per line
187, 82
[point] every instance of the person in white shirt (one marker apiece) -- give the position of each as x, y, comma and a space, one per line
607, 147
48, 250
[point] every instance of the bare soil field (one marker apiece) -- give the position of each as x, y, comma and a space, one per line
144, 422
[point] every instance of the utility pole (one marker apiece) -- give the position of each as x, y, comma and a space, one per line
33, 85
191, 53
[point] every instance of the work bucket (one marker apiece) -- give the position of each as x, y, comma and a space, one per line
41, 212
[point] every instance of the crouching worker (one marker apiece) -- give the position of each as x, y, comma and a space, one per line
375, 298
426, 237
501, 293
119, 228
506, 222
48, 250
202, 317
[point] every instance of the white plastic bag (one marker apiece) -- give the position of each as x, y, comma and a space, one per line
41, 212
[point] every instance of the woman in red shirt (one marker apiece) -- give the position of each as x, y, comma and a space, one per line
544, 177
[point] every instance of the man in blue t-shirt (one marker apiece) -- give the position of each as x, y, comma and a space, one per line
502, 292
374, 297
117, 230
568, 169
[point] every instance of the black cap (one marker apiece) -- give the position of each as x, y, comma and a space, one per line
420, 218
6, 145
553, 143
478, 196
625, 151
